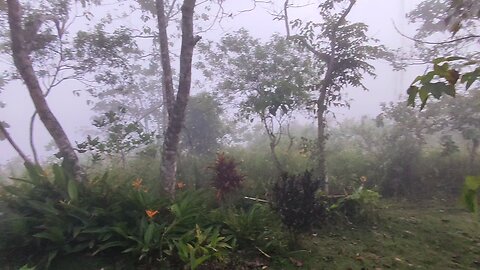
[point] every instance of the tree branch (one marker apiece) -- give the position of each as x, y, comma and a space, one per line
7, 136
432, 42
168, 92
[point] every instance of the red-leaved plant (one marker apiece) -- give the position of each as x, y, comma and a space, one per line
227, 178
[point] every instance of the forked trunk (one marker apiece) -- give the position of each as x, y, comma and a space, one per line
176, 108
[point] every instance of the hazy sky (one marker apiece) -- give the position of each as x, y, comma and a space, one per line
74, 114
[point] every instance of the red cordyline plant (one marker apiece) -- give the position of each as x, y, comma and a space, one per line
227, 178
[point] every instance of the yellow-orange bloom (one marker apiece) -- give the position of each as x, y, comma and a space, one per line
137, 183
181, 185
151, 213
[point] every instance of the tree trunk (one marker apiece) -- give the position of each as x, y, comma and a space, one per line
276, 161
24, 66
473, 155
321, 136
176, 113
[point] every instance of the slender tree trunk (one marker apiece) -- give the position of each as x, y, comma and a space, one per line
276, 161
4, 133
24, 66
176, 110
167, 78
321, 136
473, 155
273, 144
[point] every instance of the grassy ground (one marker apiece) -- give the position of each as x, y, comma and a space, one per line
405, 237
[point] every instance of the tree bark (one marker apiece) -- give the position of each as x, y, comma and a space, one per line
473, 155
167, 78
274, 140
7, 136
176, 114
24, 66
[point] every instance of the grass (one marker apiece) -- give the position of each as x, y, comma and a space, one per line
405, 237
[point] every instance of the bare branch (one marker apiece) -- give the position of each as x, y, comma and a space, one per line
433, 42
7, 136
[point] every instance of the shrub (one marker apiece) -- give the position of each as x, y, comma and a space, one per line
359, 207
126, 221
255, 230
226, 178
294, 199
61, 217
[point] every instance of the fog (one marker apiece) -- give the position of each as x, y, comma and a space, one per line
75, 116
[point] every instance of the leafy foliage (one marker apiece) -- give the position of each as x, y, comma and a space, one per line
294, 200
358, 207
443, 79
204, 127
226, 177
470, 191
455, 62
256, 230
122, 136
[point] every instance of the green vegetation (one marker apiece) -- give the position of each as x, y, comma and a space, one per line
171, 180
408, 236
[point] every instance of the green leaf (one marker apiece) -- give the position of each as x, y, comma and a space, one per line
412, 94
72, 190
59, 176
423, 94
51, 256
470, 190
197, 262
109, 245
472, 183
149, 233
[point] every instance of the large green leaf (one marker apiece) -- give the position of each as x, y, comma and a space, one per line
72, 190
470, 193
149, 233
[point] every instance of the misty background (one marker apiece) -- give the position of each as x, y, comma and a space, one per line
75, 114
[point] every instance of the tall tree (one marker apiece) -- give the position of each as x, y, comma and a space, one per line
343, 51
204, 127
21, 46
269, 81
175, 104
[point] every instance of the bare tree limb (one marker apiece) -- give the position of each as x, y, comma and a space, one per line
433, 42
19, 151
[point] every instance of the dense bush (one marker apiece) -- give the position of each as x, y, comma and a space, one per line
359, 207
49, 216
293, 197
226, 177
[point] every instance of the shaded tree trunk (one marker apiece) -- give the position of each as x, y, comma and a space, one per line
473, 155
321, 136
24, 66
176, 108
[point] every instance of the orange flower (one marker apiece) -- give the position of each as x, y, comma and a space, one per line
181, 185
137, 183
151, 213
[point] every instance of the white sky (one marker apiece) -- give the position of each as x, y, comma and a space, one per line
74, 114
